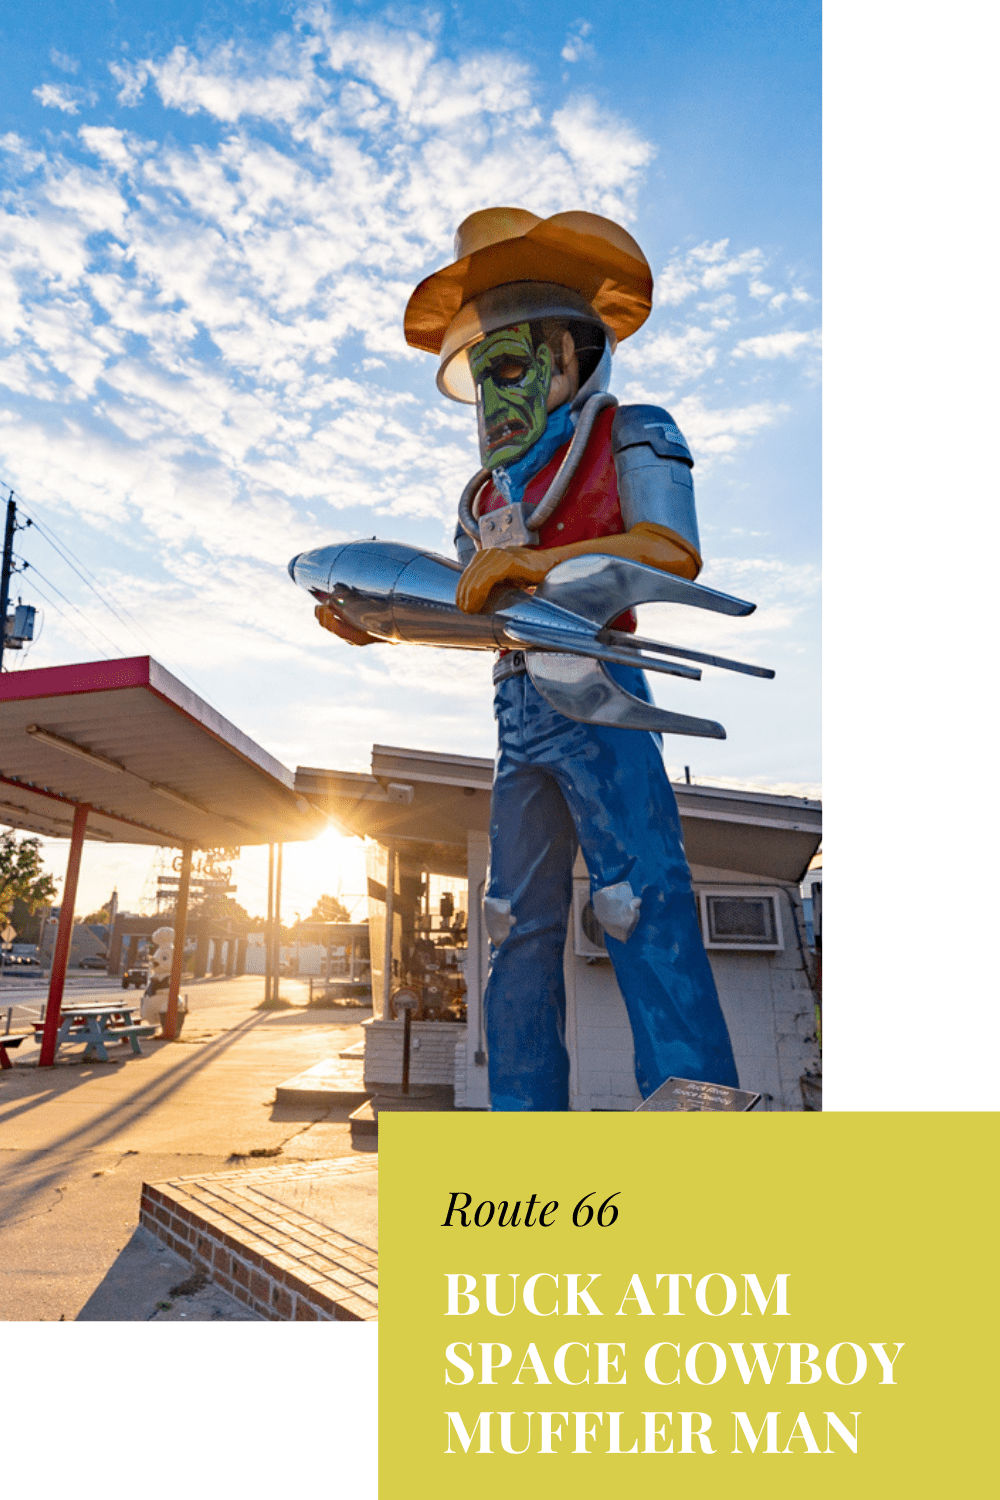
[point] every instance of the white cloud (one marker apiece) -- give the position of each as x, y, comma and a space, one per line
715, 431
720, 269
133, 78
107, 142
786, 596
576, 47
673, 286
712, 267
783, 345
59, 96
230, 83
608, 154
688, 354
64, 62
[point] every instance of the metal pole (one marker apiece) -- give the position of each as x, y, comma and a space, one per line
269, 932
5, 571
60, 957
406, 1050
180, 933
390, 895
277, 923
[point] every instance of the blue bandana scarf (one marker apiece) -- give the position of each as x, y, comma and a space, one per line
512, 480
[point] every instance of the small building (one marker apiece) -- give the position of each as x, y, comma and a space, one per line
316, 950
426, 819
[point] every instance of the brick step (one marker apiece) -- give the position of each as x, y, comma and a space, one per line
295, 1243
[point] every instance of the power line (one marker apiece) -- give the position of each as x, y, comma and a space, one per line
72, 623
77, 564
45, 532
113, 644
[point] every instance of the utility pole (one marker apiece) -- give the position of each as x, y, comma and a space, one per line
7, 569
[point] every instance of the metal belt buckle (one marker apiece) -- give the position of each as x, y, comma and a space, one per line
508, 666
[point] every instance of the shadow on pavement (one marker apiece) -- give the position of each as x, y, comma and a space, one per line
145, 1097
149, 1283
313, 1016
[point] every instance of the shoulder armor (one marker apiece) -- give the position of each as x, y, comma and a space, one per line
465, 547
654, 427
653, 465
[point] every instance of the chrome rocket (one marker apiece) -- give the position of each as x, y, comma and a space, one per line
398, 593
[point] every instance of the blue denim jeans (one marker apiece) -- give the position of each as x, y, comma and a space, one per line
559, 784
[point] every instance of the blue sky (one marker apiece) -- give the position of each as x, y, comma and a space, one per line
214, 216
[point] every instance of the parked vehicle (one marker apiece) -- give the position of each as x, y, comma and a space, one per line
92, 961
137, 975
21, 956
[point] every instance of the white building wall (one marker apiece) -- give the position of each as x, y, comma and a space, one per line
765, 998
432, 1051
472, 1086
308, 958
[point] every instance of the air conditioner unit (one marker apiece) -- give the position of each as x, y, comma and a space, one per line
746, 919
588, 934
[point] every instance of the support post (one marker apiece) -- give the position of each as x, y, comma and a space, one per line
60, 957
180, 933
6, 568
269, 932
277, 923
390, 900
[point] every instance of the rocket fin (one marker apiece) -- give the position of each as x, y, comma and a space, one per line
598, 587
581, 689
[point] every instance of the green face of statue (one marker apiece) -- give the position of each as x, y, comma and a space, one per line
512, 386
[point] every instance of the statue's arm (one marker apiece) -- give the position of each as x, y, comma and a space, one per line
646, 543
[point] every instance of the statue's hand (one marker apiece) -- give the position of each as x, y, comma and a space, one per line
496, 565
330, 620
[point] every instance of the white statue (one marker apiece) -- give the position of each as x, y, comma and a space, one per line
160, 963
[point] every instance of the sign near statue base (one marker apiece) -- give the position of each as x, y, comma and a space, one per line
687, 1094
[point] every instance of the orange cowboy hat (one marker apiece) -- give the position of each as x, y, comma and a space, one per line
591, 258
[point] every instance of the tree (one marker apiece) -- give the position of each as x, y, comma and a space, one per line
22, 878
329, 909
101, 916
221, 909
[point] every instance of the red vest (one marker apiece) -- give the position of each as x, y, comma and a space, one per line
590, 507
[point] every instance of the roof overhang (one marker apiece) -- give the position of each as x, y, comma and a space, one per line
155, 763
416, 796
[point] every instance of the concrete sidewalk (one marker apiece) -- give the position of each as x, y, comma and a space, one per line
77, 1141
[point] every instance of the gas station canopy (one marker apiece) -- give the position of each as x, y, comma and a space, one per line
154, 762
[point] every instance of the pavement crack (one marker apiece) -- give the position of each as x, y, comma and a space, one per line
308, 1126
270, 1151
42, 1213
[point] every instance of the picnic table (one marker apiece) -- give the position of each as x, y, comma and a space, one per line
9, 1041
97, 1024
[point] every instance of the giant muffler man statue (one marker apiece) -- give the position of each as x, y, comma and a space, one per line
582, 508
